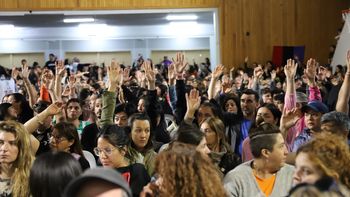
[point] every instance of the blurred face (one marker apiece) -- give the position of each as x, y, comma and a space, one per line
59, 143
248, 104
305, 170
231, 106
12, 114
141, 106
202, 147
204, 112
8, 148
331, 127
279, 153
73, 111
210, 135
279, 104
11, 99
267, 98
110, 155
98, 108
313, 120
140, 133
121, 119
266, 115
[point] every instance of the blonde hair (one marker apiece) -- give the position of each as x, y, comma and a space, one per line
21, 166
218, 127
331, 155
187, 172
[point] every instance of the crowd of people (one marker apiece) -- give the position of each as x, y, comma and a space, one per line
174, 129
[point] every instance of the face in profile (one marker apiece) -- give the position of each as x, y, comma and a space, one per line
277, 157
8, 148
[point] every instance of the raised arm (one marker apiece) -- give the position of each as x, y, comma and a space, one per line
171, 85
311, 72
114, 73
290, 70
344, 93
33, 94
193, 101
60, 72
219, 69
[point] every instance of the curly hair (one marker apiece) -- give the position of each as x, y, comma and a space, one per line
187, 172
330, 154
21, 166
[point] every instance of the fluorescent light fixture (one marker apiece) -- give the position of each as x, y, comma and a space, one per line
7, 26
184, 23
78, 20
181, 17
92, 26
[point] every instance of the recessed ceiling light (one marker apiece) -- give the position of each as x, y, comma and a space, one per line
78, 20
181, 17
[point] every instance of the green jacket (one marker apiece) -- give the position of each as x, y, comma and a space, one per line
148, 158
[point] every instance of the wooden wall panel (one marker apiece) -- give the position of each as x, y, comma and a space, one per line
312, 23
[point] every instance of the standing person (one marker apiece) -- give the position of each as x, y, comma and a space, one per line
267, 174
16, 159
51, 63
7, 84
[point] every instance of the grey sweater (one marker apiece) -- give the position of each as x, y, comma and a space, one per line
241, 182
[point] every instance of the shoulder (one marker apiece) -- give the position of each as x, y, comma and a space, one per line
287, 168
243, 170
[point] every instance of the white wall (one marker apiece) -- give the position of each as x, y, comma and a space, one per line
135, 46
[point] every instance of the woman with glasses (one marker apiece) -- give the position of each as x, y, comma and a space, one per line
16, 157
64, 137
112, 151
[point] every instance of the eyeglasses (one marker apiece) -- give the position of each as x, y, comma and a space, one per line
57, 139
106, 151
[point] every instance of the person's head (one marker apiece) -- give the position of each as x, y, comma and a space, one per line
51, 172
231, 104
267, 143
214, 130
121, 115
98, 107
142, 105
266, 95
325, 155
112, 147
301, 99
313, 112
249, 102
16, 153
4, 73
337, 123
268, 113
205, 111
39, 107
183, 171
52, 57
98, 182
189, 134
278, 100
140, 134
7, 112
73, 109
65, 137
18, 101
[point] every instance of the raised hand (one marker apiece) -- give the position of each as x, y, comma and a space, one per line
180, 63
289, 118
71, 81
258, 72
126, 75
193, 101
60, 68
290, 69
171, 72
54, 108
149, 71
114, 73
219, 69
25, 71
311, 69
348, 62
47, 78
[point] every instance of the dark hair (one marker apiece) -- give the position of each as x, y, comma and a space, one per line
235, 99
4, 73
128, 108
266, 91
4, 110
51, 173
114, 135
189, 134
27, 112
340, 120
251, 92
263, 137
83, 94
73, 100
40, 106
69, 131
274, 110
140, 116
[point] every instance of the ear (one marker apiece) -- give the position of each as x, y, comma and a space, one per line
70, 143
265, 153
123, 151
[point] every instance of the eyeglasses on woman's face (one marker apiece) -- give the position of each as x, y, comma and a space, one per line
57, 138
106, 151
